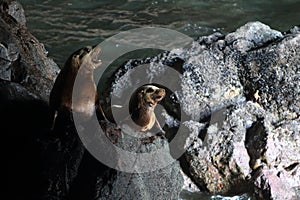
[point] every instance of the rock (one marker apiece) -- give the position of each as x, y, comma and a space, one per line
16, 10
244, 88
62, 157
279, 178
138, 179
24, 121
162, 184
189, 185
16, 103
234, 146
23, 59
272, 72
233, 151
27, 76
252, 35
10, 91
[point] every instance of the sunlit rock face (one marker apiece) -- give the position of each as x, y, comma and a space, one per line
253, 127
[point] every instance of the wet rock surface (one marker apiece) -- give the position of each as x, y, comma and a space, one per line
23, 59
239, 135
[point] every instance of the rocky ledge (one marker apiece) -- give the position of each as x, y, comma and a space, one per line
240, 134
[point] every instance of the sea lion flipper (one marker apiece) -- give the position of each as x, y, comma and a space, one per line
159, 127
53, 119
100, 112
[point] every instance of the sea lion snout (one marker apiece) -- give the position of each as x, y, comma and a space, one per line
88, 57
96, 50
151, 95
159, 94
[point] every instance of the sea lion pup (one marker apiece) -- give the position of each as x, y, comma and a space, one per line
142, 104
86, 100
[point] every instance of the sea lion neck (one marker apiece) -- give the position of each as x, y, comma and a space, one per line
142, 117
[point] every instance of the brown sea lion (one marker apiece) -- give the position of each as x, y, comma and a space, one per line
86, 100
142, 104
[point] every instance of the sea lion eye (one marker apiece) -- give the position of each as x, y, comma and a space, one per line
149, 90
87, 49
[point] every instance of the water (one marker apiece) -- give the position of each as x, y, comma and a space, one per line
64, 26
185, 195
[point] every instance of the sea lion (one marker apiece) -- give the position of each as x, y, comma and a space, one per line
86, 101
142, 104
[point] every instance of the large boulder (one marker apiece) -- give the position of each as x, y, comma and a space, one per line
153, 183
241, 131
248, 83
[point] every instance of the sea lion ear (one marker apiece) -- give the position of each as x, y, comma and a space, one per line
75, 56
74, 59
76, 62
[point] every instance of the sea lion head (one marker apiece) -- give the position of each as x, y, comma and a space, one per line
148, 96
87, 58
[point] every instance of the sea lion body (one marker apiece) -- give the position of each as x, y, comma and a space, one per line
86, 98
142, 105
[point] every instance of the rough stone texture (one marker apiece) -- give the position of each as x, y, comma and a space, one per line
252, 35
147, 179
220, 162
23, 59
244, 90
16, 10
279, 177
273, 71
262, 67
162, 184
